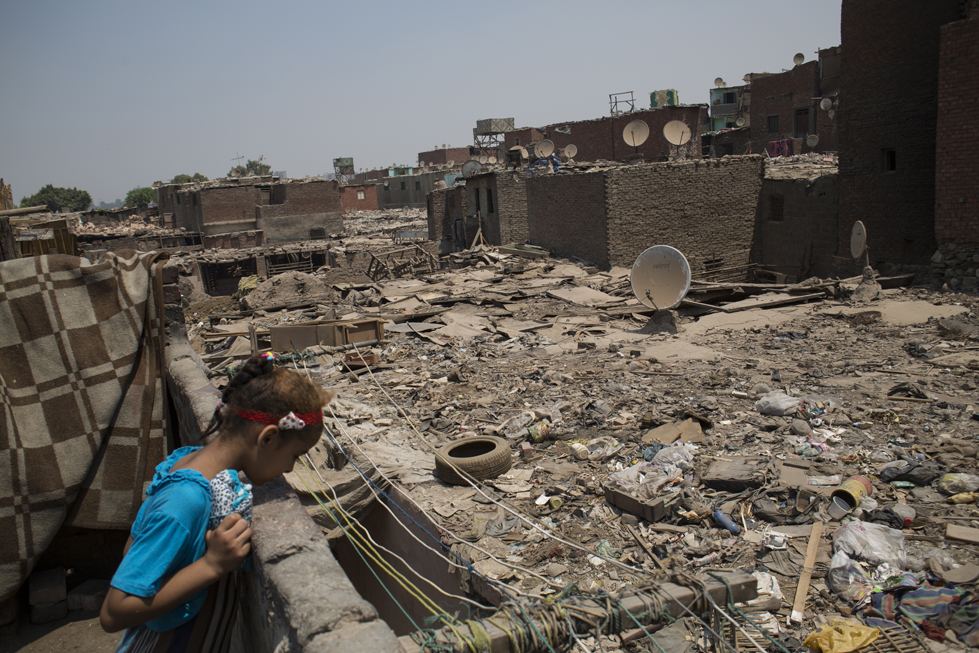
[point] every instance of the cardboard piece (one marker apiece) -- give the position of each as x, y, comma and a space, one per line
686, 431
653, 511
737, 473
963, 533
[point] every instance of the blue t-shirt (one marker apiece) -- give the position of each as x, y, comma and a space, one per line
168, 535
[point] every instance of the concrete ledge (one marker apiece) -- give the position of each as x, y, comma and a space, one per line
298, 598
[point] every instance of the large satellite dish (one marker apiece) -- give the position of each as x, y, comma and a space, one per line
450, 163
676, 132
812, 140
739, 122
660, 277
544, 148
636, 133
826, 104
798, 58
858, 240
571, 150
470, 168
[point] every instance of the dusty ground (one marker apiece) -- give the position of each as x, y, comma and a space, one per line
79, 631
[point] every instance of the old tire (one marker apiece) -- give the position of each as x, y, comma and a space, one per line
482, 457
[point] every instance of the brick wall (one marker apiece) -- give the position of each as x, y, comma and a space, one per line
302, 198
888, 101
706, 209
506, 223
801, 239
223, 208
234, 240
444, 206
956, 167
349, 199
566, 214
601, 138
459, 155
781, 95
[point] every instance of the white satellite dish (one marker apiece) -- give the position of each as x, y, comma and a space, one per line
676, 132
660, 277
831, 113
571, 150
544, 148
798, 58
739, 122
826, 104
858, 240
471, 168
636, 133
718, 81
492, 160
483, 158
450, 163
812, 140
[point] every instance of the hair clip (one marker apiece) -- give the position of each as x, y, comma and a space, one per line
269, 356
291, 422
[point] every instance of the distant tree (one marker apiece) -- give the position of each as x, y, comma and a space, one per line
251, 168
141, 197
186, 179
56, 198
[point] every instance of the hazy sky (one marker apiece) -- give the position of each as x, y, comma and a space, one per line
111, 95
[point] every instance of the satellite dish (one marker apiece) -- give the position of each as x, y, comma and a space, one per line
812, 140
636, 133
676, 132
571, 150
858, 240
746, 79
450, 163
470, 168
544, 148
826, 104
739, 122
492, 160
718, 81
483, 158
798, 58
660, 277
831, 113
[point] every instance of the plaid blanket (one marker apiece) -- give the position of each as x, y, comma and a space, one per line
81, 411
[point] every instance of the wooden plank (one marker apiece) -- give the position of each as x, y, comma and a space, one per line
756, 302
799, 607
963, 533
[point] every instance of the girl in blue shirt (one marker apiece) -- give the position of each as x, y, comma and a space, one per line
267, 418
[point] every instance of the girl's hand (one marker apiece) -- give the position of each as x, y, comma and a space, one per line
228, 544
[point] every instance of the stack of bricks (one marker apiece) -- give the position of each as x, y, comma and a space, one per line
172, 300
956, 265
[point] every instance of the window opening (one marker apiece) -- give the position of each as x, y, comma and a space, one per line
801, 123
772, 124
489, 200
888, 160
776, 208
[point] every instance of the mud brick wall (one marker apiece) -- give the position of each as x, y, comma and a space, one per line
801, 239
889, 100
444, 206
506, 223
706, 209
288, 227
957, 169
602, 138
956, 264
566, 214
226, 204
780, 95
302, 199
349, 199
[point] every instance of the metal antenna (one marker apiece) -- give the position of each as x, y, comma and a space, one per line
237, 158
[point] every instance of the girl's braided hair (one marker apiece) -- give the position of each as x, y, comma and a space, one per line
260, 386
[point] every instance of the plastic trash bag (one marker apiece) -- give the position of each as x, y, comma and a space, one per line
846, 578
956, 483
681, 455
602, 448
871, 542
777, 403
644, 480
841, 636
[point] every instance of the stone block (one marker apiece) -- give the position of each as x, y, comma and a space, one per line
170, 274
89, 595
526, 450
373, 636
171, 294
47, 586
48, 611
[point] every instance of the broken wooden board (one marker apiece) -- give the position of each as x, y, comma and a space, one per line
737, 473
686, 431
584, 296
652, 511
770, 300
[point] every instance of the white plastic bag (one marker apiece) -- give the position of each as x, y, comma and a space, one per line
681, 455
956, 483
644, 480
871, 542
777, 403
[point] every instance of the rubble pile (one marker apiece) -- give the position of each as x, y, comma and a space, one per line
826, 447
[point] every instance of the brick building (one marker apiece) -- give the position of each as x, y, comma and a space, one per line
707, 209
442, 156
359, 197
601, 138
957, 173
445, 206
785, 108
889, 98
500, 199
291, 210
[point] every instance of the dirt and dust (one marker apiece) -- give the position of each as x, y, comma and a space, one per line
79, 631
289, 288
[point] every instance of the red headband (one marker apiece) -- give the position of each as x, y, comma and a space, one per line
291, 421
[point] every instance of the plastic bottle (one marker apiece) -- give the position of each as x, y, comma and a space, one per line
904, 511
707, 559
580, 451
726, 522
